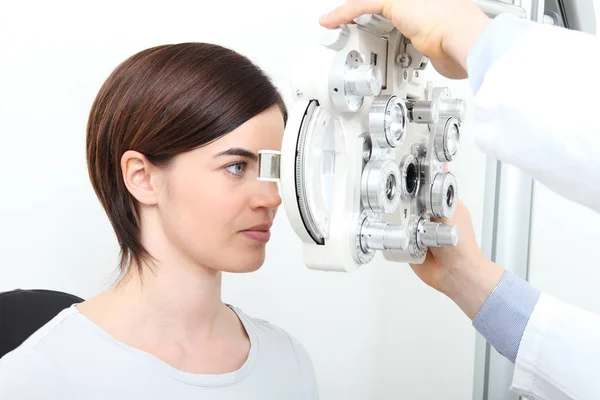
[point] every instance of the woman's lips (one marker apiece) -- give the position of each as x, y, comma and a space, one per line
259, 236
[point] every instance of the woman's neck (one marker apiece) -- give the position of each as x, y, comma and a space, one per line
175, 300
177, 316
172, 310
167, 304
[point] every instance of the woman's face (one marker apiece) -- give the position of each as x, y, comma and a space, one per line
212, 207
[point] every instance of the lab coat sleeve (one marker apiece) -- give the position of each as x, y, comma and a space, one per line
535, 108
537, 103
559, 356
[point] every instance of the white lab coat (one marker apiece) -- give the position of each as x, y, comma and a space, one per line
539, 109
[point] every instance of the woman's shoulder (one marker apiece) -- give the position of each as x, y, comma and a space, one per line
31, 365
26, 373
274, 340
42, 334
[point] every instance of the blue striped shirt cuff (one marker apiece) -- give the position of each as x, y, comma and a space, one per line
504, 316
493, 43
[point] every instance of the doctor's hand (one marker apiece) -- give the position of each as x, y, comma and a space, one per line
461, 272
443, 30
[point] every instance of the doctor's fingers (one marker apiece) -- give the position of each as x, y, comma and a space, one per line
352, 9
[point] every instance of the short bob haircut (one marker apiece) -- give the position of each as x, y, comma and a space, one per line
161, 102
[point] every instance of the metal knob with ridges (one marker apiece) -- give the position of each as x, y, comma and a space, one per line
364, 80
424, 112
375, 22
336, 38
455, 108
383, 236
436, 234
447, 235
395, 237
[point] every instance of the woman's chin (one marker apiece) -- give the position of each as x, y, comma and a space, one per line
249, 264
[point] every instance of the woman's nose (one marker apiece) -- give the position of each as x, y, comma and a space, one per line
266, 196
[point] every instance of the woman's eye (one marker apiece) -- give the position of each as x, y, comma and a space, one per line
236, 169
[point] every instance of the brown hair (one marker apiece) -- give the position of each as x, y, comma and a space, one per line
161, 102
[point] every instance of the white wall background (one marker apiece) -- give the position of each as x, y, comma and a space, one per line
375, 334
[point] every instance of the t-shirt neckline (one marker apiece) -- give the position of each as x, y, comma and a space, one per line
155, 363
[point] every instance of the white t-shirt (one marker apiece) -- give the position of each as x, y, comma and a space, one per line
73, 358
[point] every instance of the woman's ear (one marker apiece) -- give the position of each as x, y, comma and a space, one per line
138, 177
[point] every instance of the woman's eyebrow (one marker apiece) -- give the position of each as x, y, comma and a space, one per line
237, 151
